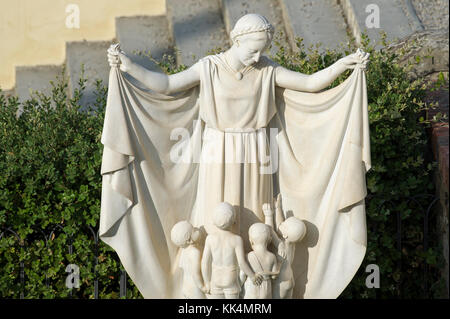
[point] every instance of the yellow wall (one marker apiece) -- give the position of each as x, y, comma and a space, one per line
34, 32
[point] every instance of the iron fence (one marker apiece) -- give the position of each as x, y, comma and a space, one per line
431, 199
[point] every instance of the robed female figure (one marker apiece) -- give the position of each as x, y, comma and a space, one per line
236, 127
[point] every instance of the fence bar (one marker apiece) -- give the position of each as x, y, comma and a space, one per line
22, 280
123, 284
95, 235
426, 221
399, 248
123, 273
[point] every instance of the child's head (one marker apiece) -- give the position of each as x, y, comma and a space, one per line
293, 229
259, 234
184, 234
224, 216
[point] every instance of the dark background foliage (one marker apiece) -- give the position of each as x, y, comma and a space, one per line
50, 186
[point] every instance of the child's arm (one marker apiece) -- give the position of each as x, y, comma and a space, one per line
268, 214
279, 216
268, 220
278, 243
256, 278
195, 268
206, 264
275, 268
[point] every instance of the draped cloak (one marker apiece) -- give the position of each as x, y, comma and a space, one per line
172, 158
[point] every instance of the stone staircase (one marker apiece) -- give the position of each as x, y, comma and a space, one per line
191, 28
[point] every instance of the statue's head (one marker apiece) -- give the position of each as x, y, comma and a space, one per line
184, 234
259, 234
293, 229
224, 216
251, 36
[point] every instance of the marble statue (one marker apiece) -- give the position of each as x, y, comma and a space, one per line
262, 261
236, 127
186, 237
223, 257
292, 230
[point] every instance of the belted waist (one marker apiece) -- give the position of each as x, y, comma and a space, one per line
239, 130
235, 129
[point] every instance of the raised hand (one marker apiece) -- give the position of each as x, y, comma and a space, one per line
267, 210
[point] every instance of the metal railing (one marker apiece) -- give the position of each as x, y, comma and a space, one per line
431, 199
47, 237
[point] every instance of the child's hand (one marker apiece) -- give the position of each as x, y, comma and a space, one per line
267, 210
205, 290
257, 279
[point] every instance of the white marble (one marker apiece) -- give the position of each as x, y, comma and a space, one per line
235, 107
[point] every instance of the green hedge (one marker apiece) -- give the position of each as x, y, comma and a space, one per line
50, 159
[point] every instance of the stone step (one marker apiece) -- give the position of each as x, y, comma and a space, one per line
314, 21
7, 93
35, 78
397, 18
234, 9
197, 27
93, 55
148, 34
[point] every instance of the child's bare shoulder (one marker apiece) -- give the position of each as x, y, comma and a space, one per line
237, 239
209, 239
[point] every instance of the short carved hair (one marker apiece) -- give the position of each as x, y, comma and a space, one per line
293, 228
259, 233
224, 216
181, 233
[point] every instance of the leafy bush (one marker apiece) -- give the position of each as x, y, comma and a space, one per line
50, 180
49, 176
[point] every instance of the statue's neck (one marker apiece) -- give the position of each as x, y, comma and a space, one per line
233, 60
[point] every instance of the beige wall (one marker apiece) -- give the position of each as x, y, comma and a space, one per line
34, 31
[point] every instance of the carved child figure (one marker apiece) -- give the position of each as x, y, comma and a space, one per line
223, 256
185, 236
292, 230
262, 262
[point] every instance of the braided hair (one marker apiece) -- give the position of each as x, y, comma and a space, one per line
251, 23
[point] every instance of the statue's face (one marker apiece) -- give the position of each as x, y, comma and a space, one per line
250, 47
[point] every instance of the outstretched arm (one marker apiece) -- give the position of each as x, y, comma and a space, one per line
317, 81
268, 217
156, 81
279, 216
